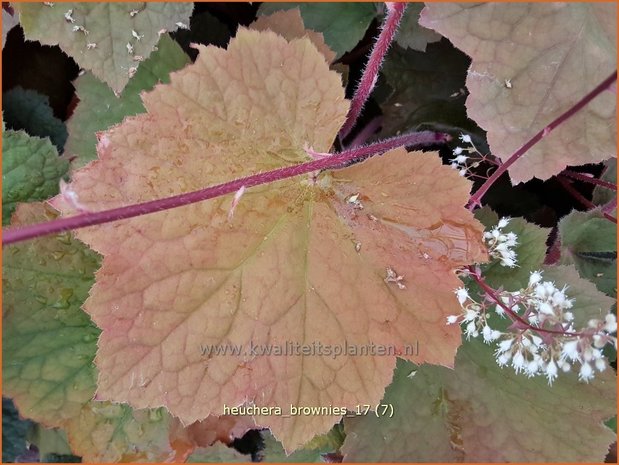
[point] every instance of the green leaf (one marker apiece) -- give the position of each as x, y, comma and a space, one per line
218, 453
411, 34
422, 427
31, 170
481, 413
425, 90
612, 423
589, 241
14, 431
342, 24
107, 432
274, 452
28, 110
99, 108
49, 345
49, 441
109, 39
602, 195
530, 252
48, 341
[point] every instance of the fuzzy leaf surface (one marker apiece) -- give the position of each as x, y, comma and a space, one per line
31, 170
481, 413
531, 63
589, 241
121, 37
100, 109
285, 267
342, 24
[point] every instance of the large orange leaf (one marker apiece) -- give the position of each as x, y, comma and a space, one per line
303, 261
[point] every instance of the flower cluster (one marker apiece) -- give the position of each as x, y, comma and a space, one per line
542, 339
462, 155
500, 244
467, 157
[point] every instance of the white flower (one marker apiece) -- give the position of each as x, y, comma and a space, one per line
457, 151
611, 323
505, 345
470, 315
546, 308
535, 277
461, 159
570, 350
499, 245
586, 373
518, 362
490, 334
462, 295
551, 371
503, 359
471, 330
465, 138
565, 367
502, 247
451, 319
512, 239
540, 291
532, 368
550, 287
600, 364
499, 310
